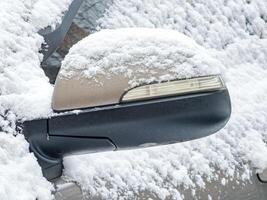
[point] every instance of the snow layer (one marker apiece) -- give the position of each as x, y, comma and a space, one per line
25, 92
234, 32
211, 23
20, 174
48, 13
136, 52
24, 88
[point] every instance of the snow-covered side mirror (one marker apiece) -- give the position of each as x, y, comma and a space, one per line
134, 88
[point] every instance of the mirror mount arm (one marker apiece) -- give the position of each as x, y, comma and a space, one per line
50, 150
37, 135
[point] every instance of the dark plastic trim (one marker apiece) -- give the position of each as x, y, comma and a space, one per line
50, 150
126, 126
55, 37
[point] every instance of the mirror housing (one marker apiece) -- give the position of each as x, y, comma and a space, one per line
132, 102
128, 125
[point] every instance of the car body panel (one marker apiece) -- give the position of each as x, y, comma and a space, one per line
252, 189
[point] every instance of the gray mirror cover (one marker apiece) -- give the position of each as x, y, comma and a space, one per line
101, 67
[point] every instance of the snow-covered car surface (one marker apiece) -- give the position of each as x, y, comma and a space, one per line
233, 32
24, 92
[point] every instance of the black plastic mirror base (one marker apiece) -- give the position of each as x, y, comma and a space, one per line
54, 166
126, 126
49, 150
37, 137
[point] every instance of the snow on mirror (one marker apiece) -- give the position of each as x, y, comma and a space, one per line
101, 68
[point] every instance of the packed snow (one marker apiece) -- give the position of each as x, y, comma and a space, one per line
234, 32
25, 92
135, 52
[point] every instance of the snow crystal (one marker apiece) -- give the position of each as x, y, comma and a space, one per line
235, 33
136, 52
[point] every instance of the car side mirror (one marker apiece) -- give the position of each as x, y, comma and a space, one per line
128, 103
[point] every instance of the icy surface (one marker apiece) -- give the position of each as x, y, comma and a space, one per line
234, 32
24, 92
136, 52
